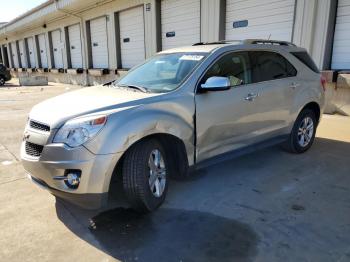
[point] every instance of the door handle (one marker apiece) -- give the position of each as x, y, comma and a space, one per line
251, 97
294, 85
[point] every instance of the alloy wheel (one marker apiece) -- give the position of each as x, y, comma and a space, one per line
157, 173
305, 131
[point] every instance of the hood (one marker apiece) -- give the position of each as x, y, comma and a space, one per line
57, 110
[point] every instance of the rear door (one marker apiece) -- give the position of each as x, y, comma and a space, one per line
276, 78
228, 120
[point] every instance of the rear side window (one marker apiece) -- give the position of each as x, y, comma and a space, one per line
268, 66
306, 60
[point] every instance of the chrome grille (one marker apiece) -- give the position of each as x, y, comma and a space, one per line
39, 126
33, 149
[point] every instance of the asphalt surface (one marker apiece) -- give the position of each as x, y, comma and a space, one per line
266, 206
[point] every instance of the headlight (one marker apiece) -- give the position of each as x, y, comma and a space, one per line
77, 131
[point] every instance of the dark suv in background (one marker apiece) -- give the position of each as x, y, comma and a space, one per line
4, 74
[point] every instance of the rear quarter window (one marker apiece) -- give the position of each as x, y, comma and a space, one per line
306, 60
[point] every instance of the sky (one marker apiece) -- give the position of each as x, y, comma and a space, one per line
11, 9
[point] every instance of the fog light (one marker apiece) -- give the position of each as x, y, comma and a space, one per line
72, 178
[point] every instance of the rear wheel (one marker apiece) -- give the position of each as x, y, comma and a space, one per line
145, 179
2, 81
303, 132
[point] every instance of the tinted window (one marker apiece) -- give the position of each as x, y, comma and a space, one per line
235, 66
306, 60
268, 66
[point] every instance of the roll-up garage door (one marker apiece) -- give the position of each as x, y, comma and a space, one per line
31, 53
57, 47
43, 51
341, 45
264, 19
132, 37
14, 55
99, 45
75, 46
22, 53
180, 21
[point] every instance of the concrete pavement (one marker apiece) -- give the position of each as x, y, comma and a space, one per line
266, 206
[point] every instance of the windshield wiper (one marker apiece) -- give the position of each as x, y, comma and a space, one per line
140, 88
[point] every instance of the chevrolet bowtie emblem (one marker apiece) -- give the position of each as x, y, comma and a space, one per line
26, 136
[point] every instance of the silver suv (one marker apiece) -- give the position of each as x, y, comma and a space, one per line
183, 108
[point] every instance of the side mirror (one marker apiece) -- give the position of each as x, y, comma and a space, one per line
216, 83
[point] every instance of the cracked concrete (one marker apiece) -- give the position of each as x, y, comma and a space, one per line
266, 206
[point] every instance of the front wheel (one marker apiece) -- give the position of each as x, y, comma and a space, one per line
303, 132
145, 179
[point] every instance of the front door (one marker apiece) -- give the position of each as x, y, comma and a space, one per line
228, 120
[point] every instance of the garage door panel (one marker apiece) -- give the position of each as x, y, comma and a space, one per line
171, 4
343, 10
57, 46
183, 18
241, 6
99, 45
343, 25
43, 51
248, 4
273, 18
31, 53
132, 37
186, 18
341, 44
22, 53
14, 55
286, 13
75, 46
273, 21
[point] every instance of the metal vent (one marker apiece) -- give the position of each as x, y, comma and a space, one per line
39, 126
33, 149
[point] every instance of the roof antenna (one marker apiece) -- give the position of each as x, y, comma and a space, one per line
269, 37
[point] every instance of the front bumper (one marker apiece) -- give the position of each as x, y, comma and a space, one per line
55, 159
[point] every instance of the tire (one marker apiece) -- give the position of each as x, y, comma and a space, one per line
138, 176
2, 81
302, 132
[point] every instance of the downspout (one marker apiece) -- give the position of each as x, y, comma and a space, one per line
83, 39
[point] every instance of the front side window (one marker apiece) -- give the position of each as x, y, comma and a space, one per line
268, 66
162, 73
235, 66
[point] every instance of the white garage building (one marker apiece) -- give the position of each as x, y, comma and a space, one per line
93, 41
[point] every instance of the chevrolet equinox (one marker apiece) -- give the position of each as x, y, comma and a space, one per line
180, 109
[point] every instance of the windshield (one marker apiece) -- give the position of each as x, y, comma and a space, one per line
162, 73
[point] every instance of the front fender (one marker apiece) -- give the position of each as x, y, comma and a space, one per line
125, 128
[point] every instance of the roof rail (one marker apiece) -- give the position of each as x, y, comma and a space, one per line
269, 42
217, 42
248, 41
